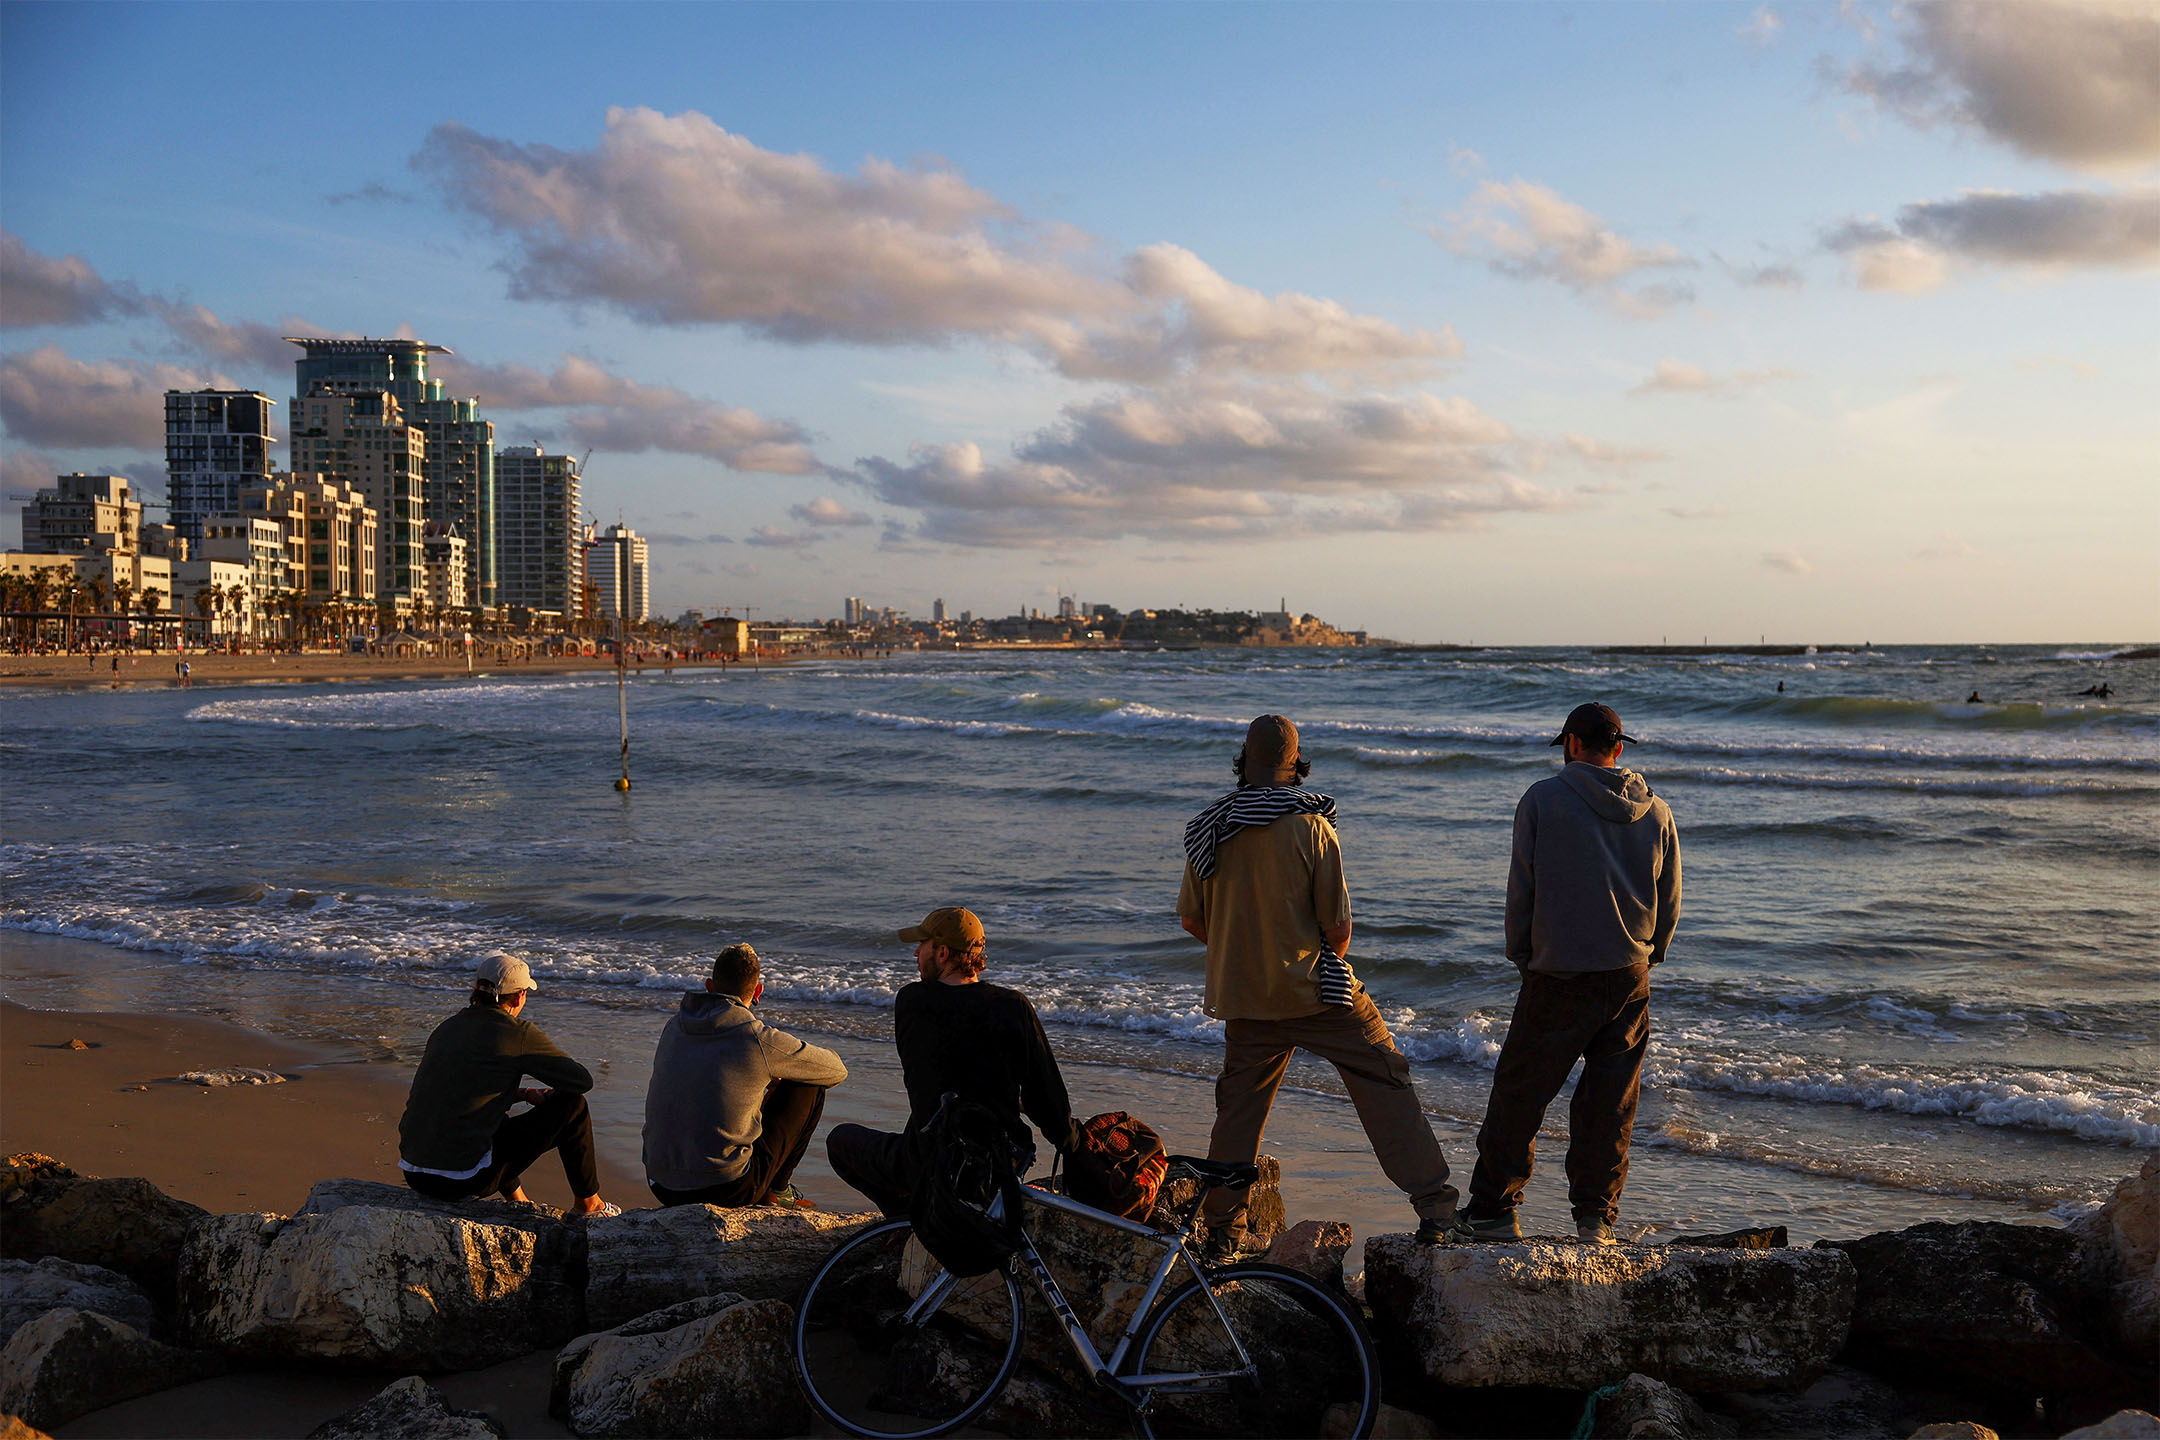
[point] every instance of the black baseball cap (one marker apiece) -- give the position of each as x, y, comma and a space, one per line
1597, 724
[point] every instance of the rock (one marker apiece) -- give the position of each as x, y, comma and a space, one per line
1646, 1409
69, 1362
648, 1259
1846, 1402
720, 1366
1264, 1215
411, 1409
2010, 1312
2124, 1235
127, 1224
2122, 1425
533, 1218
29, 1290
1316, 1247
233, 1075
1954, 1430
14, 1427
76, 1042
370, 1286
1577, 1317
1390, 1424
1769, 1237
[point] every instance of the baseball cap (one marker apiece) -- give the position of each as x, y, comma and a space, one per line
1270, 741
505, 973
953, 927
1597, 724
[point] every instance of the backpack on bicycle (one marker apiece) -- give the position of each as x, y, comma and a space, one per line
967, 1163
1118, 1166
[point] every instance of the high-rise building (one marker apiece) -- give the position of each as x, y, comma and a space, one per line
442, 570
539, 553
361, 439
330, 535
217, 443
616, 563
851, 610
83, 512
937, 611
458, 483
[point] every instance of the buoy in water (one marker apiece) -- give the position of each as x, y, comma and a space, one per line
622, 783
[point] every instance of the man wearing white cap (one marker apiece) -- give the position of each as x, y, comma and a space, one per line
457, 1139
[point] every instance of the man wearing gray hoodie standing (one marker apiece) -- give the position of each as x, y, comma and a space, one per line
1593, 897
733, 1102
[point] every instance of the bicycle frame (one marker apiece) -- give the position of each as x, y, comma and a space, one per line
1136, 1390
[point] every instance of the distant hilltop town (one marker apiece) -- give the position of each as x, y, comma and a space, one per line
1074, 624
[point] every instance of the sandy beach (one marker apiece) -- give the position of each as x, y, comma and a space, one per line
92, 671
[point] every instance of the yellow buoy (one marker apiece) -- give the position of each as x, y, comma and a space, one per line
622, 783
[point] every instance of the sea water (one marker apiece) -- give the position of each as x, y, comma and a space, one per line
1914, 972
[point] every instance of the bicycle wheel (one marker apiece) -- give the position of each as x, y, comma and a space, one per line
877, 1363
1314, 1370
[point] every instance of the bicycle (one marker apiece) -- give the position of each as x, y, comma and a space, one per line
891, 1346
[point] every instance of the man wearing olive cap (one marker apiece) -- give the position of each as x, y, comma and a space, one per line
1593, 897
958, 1034
1264, 891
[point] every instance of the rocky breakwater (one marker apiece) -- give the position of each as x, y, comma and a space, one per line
1559, 1315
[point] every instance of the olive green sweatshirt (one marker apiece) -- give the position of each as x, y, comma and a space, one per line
468, 1080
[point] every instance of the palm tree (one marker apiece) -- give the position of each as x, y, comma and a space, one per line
153, 599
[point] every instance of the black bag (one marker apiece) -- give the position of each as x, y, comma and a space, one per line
967, 1164
1118, 1166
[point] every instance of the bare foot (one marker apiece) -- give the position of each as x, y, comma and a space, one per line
587, 1205
516, 1195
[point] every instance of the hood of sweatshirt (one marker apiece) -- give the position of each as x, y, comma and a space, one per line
704, 1013
1618, 795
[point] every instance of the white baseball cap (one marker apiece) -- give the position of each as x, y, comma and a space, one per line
504, 974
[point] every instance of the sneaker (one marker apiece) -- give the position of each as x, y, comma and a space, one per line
608, 1210
1594, 1231
1505, 1226
790, 1197
1452, 1231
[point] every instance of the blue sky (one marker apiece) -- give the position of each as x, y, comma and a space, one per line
1491, 322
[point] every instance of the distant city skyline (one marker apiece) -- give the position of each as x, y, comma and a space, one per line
1513, 324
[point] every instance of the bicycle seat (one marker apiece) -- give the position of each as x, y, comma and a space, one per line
1211, 1173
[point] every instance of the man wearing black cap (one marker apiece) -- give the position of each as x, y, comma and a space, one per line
1593, 896
1264, 891
955, 1034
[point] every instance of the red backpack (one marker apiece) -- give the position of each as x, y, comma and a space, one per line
1118, 1166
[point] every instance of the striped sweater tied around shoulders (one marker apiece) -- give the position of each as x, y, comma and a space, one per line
1263, 805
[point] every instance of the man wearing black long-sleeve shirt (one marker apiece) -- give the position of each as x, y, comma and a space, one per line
955, 1034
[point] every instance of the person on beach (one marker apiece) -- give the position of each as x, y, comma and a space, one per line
956, 1034
1593, 896
457, 1139
733, 1102
1264, 891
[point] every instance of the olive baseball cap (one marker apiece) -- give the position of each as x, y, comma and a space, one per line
1597, 725
504, 974
1270, 743
952, 927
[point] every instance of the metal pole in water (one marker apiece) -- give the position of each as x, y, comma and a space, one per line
622, 704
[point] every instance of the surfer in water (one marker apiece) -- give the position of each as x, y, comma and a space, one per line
1974, 699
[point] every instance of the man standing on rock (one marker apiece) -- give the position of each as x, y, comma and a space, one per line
457, 1139
1264, 891
956, 1034
1593, 896
733, 1102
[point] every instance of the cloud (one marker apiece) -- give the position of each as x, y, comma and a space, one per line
772, 537
1677, 377
1787, 562
1701, 512
37, 289
23, 469
610, 412
2073, 81
826, 511
49, 398
1529, 232
1780, 275
2054, 231
1220, 462
673, 220
1762, 28
250, 345
373, 193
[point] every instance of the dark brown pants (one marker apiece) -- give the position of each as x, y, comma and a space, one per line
1601, 1018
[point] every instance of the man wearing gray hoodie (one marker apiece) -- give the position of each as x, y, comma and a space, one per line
1593, 897
733, 1102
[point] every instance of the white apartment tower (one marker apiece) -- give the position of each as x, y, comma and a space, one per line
362, 439
616, 564
217, 443
539, 548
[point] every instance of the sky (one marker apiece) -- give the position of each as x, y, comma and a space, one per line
1491, 323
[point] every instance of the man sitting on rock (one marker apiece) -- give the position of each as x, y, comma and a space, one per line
733, 1102
457, 1139
955, 1034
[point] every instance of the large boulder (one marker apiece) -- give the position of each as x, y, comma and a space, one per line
126, 1224
411, 1409
1316, 1247
646, 1260
1640, 1408
1578, 1317
2122, 1425
1843, 1401
379, 1288
69, 1362
715, 1366
14, 1427
28, 1290
2124, 1236
1265, 1217
2010, 1312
